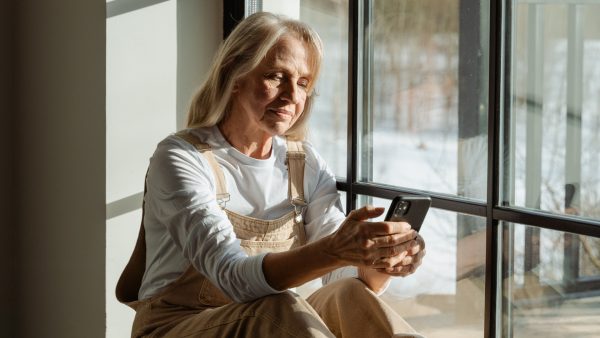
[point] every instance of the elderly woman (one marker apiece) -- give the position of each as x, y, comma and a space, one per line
238, 209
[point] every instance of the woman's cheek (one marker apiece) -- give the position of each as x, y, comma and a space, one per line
266, 93
299, 111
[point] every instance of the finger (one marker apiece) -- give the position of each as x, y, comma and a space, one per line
421, 241
388, 262
418, 247
417, 262
388, 228
391, 251
398, 263
365, 213
394, 239
419, 258
413, 259
414, 248
402, 271
395, 271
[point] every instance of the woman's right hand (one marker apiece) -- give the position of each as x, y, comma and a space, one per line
360, 242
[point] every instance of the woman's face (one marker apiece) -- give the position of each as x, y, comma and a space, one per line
271, 98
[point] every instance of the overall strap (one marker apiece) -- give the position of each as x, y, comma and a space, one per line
295, 159
204, 149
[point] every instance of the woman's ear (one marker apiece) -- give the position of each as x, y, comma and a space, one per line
236, 87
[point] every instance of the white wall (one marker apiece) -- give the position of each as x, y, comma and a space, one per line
157, 56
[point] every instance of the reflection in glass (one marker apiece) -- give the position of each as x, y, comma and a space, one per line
445, 297
550, 283
554, 108
427, 96
328, 125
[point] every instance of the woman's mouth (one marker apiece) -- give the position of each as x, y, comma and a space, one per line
283, 113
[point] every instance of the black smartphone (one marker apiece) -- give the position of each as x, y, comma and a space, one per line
409, 208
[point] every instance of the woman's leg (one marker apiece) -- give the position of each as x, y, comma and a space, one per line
281, 315
351, 309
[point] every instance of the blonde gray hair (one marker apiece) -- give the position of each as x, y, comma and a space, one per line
244, 49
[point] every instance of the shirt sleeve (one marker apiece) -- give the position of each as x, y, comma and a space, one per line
324, 214
181, 191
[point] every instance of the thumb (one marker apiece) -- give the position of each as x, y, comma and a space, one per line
365, 212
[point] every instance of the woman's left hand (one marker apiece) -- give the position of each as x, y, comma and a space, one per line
407, 261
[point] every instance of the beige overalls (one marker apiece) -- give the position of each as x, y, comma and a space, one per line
192, 306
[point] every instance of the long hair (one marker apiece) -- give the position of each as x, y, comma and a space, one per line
244, 49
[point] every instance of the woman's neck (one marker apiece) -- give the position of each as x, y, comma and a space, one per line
251, 142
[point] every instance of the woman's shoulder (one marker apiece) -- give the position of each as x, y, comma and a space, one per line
186, 139
312, 157
177, 147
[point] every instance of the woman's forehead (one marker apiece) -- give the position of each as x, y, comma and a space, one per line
290, 49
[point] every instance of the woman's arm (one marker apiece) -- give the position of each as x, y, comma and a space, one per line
357, 242
186, 225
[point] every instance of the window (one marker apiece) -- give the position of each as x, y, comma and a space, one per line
424, 126
549, 282
491, 108
551, 273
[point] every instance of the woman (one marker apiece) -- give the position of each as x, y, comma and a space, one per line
238, 209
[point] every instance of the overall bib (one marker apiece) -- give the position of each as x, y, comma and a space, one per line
192, 306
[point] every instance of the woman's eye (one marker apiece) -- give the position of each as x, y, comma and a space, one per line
303, 83
275, 76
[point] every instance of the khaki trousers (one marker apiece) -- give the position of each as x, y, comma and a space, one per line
345, 308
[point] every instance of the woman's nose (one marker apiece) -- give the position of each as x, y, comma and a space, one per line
291, 93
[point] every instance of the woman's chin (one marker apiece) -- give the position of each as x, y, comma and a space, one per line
278, 128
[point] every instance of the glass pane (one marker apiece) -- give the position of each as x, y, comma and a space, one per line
328, 123
446, 296
425, 123
554, 112
551, 283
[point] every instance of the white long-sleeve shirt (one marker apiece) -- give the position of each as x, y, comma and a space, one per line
184, 223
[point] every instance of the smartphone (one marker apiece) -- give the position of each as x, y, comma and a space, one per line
409, 208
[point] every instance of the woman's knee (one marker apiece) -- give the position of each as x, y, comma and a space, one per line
286, 302
291, 312
348, 289
351, 285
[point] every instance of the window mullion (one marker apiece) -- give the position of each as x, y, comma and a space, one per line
354, 27
495, 95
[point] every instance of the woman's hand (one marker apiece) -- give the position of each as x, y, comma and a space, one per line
408, 261
378, 245
372, 246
